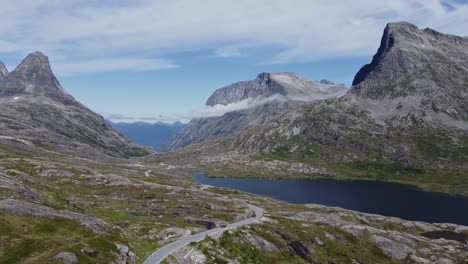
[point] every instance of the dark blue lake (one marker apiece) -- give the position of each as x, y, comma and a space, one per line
390, 199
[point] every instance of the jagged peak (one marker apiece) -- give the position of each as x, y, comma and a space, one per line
326, 82
264, 76
33, 63
394, 33
407, 53
401, 25
34, 77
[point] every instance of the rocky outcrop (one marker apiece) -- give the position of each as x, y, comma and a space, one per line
16, 187
298, 248
66, 257
35, 108
392, 248
260, 243
125, 255
22, 208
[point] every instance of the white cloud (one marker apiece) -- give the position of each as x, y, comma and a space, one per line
116, 117
82, 32
228, 52
111, 64
205, 111
219, 109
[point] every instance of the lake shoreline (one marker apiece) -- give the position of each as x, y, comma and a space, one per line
368, 196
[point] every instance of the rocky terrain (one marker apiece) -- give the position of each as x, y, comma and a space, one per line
37, 113
56, 209
268, 96
317, 234
405, 118
70, 194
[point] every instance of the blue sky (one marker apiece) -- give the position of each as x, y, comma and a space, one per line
160, 60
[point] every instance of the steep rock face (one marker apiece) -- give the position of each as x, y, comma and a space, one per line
200, 130
3, 70
270, 95
425, 64
407, 107
35, 110
34, 77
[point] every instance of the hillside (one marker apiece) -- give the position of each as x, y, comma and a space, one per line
259, 101
38, 115
404, 119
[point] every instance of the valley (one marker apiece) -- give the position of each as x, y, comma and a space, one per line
75, 190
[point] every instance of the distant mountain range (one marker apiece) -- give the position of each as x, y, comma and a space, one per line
156, 136
264, 98
37, 114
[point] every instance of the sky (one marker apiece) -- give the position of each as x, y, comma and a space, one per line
159, 60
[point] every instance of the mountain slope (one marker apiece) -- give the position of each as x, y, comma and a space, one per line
156, 136
405, 118
262, 99
408, 106
37, 112
3, 70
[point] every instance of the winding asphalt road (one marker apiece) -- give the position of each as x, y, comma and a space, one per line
162, 253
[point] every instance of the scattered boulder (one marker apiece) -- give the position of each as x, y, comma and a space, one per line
90, 251
330, 237
393, 249
260, 243
298, 248
419, 260
208, 223
66, 257
125, 255
318, 241
172, 233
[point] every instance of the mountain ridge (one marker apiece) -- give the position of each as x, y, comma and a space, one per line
412, 121
35, 109
266, 84
268, 96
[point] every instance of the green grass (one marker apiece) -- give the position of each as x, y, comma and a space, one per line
34, 240
454, 182
234, 245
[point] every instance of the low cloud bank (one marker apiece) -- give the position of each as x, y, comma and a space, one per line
214, 111
219, 109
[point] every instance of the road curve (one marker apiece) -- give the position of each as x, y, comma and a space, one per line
162, 253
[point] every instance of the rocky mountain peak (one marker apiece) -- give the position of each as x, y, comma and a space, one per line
34, 77
264, 76
35, 108
290, 85
3, 70
327, 82
413, 61
35, 63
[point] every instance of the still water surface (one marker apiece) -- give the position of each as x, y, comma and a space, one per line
390, 199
